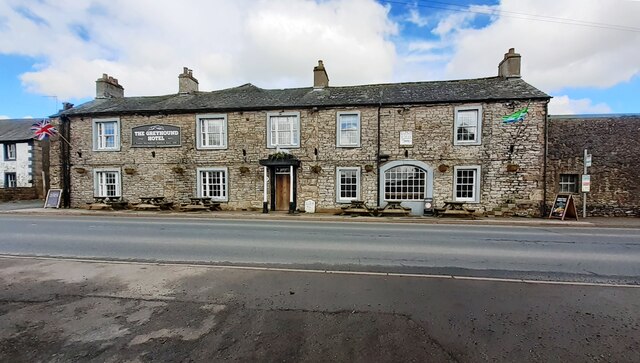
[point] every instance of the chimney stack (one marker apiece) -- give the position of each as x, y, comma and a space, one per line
510, 65
320, 77
186, 82
108, 87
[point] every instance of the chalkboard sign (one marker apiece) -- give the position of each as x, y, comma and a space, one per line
53, 198
564, 206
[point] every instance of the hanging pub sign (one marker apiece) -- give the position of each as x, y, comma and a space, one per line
155, 136
564, 207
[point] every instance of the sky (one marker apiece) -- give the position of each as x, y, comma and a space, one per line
584, 53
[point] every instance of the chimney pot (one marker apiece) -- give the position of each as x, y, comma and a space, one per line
509, 67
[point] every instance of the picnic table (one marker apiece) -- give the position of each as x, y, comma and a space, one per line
358, 207
455, 209
154, 203
201, 203
394, 208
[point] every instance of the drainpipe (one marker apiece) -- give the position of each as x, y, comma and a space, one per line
65, 161
543, 207
378, 154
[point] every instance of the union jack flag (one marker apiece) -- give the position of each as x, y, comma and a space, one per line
43, 129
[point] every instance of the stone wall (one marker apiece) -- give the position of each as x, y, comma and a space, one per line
151, 171
613, 142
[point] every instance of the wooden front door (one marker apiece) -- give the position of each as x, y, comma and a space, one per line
282, 191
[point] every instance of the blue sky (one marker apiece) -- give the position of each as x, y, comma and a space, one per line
585, 53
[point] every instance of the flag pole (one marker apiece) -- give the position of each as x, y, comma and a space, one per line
65, 140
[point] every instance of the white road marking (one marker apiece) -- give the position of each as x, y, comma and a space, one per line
335, 272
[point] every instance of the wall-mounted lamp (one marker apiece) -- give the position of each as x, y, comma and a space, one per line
406, 153
153, 154
79, 152
244, 155
315, 151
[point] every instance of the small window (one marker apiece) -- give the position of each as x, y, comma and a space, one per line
568, 183
348, 184
283, 130
212, 183
468, 125
348, 132
212, 131
10, 180
405, 183
10, 151
467, 184
106, 183
106, 135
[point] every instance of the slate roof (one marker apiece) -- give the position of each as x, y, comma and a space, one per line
16, 129
250, 97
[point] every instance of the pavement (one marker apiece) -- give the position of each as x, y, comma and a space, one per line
35, 207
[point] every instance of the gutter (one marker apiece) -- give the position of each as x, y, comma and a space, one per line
378, 154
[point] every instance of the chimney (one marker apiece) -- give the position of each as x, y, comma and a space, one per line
108, 87
320, 77
510, 65
186, 82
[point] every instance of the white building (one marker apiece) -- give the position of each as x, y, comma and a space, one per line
23, 161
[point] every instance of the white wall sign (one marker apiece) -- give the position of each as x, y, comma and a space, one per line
586, 183
406, 137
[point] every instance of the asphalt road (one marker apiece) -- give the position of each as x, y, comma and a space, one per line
557, 253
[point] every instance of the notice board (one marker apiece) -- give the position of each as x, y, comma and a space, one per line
564, 207
53, 198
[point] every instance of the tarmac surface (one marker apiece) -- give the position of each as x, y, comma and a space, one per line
61, 310
70, 310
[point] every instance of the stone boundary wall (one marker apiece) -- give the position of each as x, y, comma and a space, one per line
614, 142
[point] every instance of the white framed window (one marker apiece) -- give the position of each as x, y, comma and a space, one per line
466, 184
10, 151
213, 183
568, 183
10, 180
212, 131
106, 134
467, 125
406, 183
348, 129
283, 130
106, 183
347, 184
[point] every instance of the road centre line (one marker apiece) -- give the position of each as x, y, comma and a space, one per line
332, 272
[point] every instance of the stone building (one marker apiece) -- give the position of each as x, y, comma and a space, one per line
24, 162
254, 148
613, 142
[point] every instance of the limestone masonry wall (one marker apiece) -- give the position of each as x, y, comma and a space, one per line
154, 171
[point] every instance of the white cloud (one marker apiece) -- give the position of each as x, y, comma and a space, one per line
146, 43
4, 117
563, 105
555, 54
417, 19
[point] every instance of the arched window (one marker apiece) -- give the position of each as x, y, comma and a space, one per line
405, 182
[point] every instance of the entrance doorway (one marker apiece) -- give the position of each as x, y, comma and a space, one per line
283, 186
